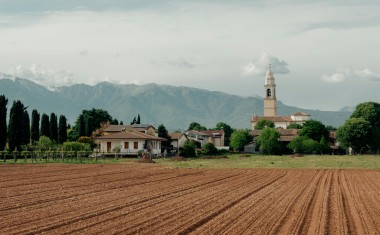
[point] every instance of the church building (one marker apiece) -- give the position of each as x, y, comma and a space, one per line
270, 107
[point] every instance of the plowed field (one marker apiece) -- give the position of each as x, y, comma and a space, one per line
147, 199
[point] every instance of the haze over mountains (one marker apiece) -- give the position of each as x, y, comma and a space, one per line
175, 107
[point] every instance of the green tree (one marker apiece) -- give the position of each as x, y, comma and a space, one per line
15, 128
263, 123
269, 141
87, 140
76, 146
45, 126
62, 130
196, 126
370, 111
81, 124
227, 132
188, 149
53, 128
240, 138
324, 145
311, 146
209, 149
294, 126
163, 133
355, 133
35, 127
3, 122
45, 143
26, 128
297, 144
138, 121
314, 130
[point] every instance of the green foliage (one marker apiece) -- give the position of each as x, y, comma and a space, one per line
209, 149
87, 140
3, 122
188, 149
87, 122
45, 143
163, 133
356, 133
269, 141
15, 128
240, 138
196, 126
294, 126
45, 126
297, 144
26, 128
227, 132
314, 130
311, 146
81, 124
76, 146
53, 128
35, 127
324, 145
263, 123
62, 130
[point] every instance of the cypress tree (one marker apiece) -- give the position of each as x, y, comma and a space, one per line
138, 119
62, 130
15, 128
35, 129
45, 126
81, 126
53, 128
3, 122
89, 125
26, 128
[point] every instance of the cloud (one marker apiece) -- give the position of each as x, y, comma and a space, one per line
182, 63
260, 65
47, 78
339, 76
83, 52
368, 74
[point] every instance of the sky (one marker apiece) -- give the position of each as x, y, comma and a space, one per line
324, 54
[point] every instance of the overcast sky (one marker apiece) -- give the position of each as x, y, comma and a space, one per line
324, 54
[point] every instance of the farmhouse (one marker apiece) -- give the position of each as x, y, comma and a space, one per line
270, 107
128, 139
207, 136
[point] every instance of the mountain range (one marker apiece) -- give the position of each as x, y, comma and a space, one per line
175, 107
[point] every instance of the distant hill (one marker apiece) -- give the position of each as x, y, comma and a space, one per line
175, 107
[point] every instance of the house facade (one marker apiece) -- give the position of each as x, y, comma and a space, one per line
207, 136
128, 140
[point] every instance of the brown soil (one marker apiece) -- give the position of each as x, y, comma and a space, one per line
178, 158
149, 199
145, 160
297, 155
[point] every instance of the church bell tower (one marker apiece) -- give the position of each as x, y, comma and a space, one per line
270, 101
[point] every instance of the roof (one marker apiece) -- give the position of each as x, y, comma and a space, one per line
118, 128
129, 135
273, 119
300, 114
175, 135
213, 132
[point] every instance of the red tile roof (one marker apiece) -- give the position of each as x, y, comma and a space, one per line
300, 114
175, 135
273, 119
130, 135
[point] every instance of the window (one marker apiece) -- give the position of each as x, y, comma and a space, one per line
269, 93
135, 145
126, 145
108, 146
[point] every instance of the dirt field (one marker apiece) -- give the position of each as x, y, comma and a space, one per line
149, 199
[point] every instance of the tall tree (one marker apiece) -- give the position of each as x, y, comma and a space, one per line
196, 126
227, 132
314, 130
45, 126
26, 128
62, 130
163, 133
53, 128
35, 127
269, 141
3, 122
81, 125
355, 133
15, 128
138, 121
240, 138
89, 123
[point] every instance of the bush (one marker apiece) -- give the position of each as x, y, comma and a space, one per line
75, 146
209, 149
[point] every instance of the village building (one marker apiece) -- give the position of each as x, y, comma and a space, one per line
270, 107
215, 137
128, 139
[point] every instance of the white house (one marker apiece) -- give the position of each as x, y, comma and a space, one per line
177, 139
129, 142
207, 136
